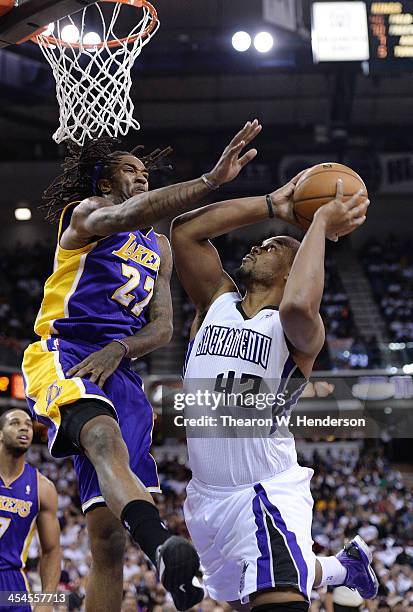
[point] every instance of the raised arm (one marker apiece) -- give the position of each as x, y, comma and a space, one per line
91, 219
49, 536
300, 305
197, 261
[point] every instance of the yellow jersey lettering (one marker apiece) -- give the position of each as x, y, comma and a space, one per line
16, 506
138, 253
126, 251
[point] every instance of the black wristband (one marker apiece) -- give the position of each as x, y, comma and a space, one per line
270, 207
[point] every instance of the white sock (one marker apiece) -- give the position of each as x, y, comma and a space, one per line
333, 572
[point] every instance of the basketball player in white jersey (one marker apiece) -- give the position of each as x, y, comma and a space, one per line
249, 506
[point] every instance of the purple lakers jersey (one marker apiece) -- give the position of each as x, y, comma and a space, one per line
101, 291
19, 506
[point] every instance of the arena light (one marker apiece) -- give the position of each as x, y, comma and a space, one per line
408, 368
70, 33
49, 30
241, 41
23, 214
91, 38
263, 42
397, 346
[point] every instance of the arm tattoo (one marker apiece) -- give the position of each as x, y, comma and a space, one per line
165, 202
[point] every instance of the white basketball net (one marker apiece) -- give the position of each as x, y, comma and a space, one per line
93, 84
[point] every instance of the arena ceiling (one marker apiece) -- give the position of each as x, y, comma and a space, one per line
190, 79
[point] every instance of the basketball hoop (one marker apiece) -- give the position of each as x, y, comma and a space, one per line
93, 73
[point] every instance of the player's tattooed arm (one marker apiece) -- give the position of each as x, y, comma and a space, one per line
101, 364
49, 536
91, 219
300, 305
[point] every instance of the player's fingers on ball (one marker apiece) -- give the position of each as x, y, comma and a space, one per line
297, 177
355, 223
359, 211
339, 189
355, 199
359, 221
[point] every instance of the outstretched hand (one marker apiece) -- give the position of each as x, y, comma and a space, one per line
231, 161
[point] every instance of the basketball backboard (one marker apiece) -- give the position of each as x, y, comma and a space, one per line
23, 20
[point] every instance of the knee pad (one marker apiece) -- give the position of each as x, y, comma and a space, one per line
76, 415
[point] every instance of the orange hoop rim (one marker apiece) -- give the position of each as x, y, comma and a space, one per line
52, 40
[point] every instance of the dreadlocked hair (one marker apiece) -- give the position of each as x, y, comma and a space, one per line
84, 166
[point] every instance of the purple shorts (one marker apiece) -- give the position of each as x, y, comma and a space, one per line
48, 390
13, 581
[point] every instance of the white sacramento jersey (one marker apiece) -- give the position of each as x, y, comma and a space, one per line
231, 347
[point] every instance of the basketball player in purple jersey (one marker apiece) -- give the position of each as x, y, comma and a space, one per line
107, 301
249, 505
28, 501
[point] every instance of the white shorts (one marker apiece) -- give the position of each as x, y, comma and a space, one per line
254, 537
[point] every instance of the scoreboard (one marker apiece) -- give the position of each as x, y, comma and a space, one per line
363, 30
11, 387
391, 33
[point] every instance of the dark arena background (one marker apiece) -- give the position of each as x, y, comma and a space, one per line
328, 86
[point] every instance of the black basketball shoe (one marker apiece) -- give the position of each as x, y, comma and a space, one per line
178, 564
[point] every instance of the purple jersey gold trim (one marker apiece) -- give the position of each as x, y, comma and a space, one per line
19, 507
101, 291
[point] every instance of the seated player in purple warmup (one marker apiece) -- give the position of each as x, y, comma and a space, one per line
107, 301
28, 501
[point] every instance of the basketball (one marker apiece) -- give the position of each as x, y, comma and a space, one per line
317, 186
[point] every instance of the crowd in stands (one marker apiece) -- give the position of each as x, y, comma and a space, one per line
355, 491
389, 266
23, 271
